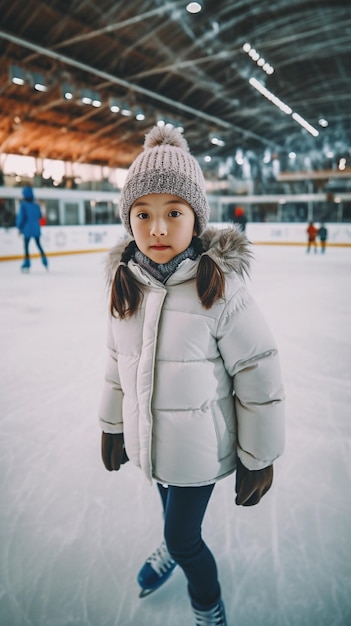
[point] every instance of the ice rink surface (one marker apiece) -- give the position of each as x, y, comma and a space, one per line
73, 536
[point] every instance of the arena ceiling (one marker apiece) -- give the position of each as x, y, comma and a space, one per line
189, 69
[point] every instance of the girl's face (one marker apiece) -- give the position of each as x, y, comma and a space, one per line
163, 225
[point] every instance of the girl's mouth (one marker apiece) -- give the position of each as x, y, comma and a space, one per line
159, 247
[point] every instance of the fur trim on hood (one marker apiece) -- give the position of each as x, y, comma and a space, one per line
228, 247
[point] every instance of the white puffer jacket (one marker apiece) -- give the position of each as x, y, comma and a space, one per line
191, 388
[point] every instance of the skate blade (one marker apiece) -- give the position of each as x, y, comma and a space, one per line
147, 592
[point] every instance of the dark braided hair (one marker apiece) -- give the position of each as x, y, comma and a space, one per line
210, 282
127, 294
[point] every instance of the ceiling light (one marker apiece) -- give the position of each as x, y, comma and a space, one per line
267, 68
67, 91
126, 110
283, 107
322, 122
216, 141
86, 96
270, 96
17, 75
96, 100
39, 81
114, 105
193, 7
90, 97
139, 115
171, 123
255, 56
300, 120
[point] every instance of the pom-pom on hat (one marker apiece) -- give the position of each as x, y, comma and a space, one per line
165, 166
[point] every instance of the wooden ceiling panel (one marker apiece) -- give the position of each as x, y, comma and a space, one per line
187, 68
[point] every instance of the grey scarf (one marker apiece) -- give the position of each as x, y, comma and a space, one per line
162, 271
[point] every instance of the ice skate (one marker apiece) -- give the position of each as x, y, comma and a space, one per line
25, 266
156, 570
45, 262
213, 617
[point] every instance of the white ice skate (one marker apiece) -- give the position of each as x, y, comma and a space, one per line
213, 617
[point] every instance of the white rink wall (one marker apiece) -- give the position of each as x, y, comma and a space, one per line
59, 240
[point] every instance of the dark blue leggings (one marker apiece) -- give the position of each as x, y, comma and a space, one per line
26, 246
184, 509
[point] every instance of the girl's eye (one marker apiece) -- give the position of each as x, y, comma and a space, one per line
142, 216
174, 213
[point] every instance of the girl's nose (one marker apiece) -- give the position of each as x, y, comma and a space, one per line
158, 228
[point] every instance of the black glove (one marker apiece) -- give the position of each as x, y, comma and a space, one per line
251, 485
113, 451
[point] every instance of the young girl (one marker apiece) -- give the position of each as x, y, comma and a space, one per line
192, 388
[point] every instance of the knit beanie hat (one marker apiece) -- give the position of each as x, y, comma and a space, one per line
165, 166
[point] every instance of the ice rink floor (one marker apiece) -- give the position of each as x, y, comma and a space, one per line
74, 536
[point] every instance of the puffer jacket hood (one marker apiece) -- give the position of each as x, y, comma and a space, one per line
228, 247
27, 193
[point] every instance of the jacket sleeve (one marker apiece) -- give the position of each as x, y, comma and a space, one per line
110, 408
20, 218
251, 358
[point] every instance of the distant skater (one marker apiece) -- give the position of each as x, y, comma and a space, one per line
28, 223
312, 233
323, 236
193, 389
240, 218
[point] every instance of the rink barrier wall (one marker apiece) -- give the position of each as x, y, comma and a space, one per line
62, 240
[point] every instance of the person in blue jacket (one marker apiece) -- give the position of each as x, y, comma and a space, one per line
28, 223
